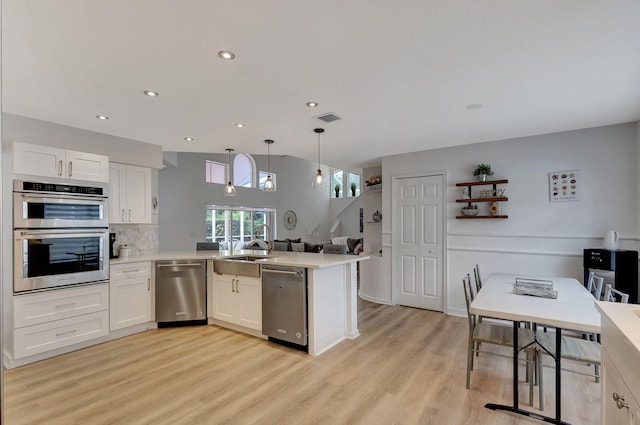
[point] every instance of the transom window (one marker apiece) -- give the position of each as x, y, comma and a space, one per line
342, 181
216, 172
243, 171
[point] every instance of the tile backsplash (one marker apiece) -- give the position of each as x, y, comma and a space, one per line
141, 238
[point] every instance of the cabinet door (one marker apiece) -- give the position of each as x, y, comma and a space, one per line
130, 302
224, 297
138, 194
249, 302
117, 192
38, 160
612, 384
87, 166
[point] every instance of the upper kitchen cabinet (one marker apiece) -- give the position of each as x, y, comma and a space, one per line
47, 161
129, 194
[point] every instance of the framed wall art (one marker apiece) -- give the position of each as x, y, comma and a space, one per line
564, 186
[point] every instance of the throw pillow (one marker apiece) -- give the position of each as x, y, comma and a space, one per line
297, 247
280, 246
312, 247
352, 243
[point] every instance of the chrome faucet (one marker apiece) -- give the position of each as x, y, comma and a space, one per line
269, 241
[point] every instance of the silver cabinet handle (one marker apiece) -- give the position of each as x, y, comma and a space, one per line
129, 215
237, 287
123, 215
60, 168
181, 265
233, 285
620, 403
70, 168
280, 271
148, 284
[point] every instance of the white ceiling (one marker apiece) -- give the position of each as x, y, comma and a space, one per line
400, 73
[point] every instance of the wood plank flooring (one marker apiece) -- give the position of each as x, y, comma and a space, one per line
407, 367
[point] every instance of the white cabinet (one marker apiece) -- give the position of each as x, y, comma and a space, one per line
130, 293
618, 405
54, 319
238, 300
46, 161
129, 194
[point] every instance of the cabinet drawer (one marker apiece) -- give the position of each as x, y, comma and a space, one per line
32, 309
37, 339
129, 270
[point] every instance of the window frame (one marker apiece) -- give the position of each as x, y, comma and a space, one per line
270, 219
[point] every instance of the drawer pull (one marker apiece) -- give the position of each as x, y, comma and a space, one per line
620, 403
71, 332
132, 271
61, 306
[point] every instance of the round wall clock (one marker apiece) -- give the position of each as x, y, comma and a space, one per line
290, 220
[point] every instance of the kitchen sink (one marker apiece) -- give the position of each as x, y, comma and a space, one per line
241, 265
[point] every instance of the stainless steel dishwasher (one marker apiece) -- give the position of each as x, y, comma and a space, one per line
181, 292
284, 305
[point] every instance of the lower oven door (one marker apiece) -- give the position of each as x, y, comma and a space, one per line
53, 258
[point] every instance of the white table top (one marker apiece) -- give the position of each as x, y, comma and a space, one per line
573, 309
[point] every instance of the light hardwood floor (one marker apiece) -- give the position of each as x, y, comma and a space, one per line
407, 367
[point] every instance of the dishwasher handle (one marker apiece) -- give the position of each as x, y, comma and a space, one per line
181, 265
280, 272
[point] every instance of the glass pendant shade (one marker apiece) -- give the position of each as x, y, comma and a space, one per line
269, 186
229, 189
319, 181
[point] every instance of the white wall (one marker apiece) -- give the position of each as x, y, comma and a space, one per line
347, 210
184, 194
539, 237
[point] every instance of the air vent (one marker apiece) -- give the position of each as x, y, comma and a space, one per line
330, 117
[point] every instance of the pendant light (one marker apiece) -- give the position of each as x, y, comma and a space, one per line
268, 183
319, 180
229, 189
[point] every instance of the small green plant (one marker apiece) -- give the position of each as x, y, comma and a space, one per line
337, 187
483, 169
470, 207
354, 186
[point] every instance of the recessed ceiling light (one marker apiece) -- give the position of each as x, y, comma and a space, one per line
189, 139
102, 117
312, 104
150, 93
227, 54
239, 125
474, 106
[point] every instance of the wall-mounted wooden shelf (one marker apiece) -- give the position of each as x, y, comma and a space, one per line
471, 200
482, 216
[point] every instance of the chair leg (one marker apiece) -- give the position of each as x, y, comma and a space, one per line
540, 379
469, 360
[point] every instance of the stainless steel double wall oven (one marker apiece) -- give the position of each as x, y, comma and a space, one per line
61, 234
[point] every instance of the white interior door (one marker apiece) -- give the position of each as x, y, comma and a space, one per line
418, 241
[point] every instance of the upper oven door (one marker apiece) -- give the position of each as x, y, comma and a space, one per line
52, 258
33, 211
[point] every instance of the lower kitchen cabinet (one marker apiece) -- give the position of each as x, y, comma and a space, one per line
130, 294
238, 300
618, 404
49, 320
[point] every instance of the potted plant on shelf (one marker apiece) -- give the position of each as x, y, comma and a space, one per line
337, 188
354, 186
482, 171
469, 210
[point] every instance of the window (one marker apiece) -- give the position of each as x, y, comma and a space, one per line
352, 179
236, 224
344, 179
216, 172
243, 171
262, 176
337, 181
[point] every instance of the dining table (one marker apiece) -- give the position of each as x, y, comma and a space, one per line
574, 308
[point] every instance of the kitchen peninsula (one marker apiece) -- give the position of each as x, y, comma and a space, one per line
332, 289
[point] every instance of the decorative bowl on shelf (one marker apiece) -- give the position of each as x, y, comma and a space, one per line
470, 211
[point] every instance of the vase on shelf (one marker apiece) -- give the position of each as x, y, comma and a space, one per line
482, 177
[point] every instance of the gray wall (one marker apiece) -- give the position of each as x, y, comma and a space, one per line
17, 128
184, 194
539, 237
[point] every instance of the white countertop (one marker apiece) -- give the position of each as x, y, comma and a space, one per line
310, 260
625, 318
